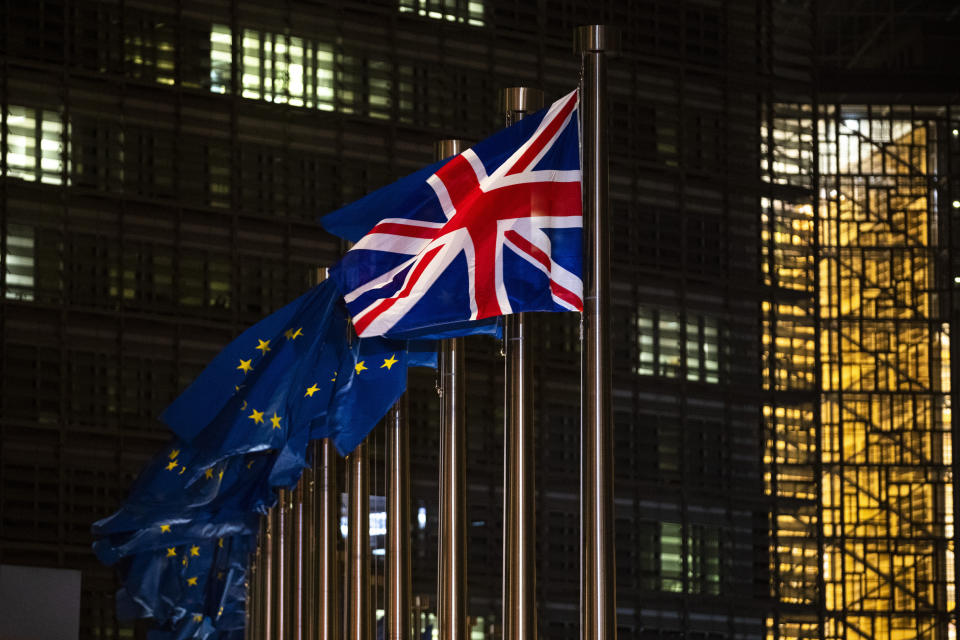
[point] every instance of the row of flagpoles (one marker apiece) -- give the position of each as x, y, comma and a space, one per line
244, 426
296, 581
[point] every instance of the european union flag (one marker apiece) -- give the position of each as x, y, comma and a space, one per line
216, 385
373, 376
184, 585
227, 597
167, 489
174, 531
286, 383
165, 582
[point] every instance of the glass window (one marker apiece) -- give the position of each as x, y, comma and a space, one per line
465, 11
274, 67
671, 557
19, 262
149, 51
221, 58
664, 350
35, 150
702, 559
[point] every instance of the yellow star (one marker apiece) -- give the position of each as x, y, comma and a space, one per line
184, 562
171, 552
182, 469
164, 528
174, 453
359, 366
220, 475
198, 617
192, 581
293, 335
249, 464
264, 346
245, 365
208, 473
220, 577
171, 465
275, 421
256, 416
220, 611
334, 378
311, 390
243, 407
195, 551
220, 542
389, 362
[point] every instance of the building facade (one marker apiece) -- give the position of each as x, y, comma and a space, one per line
782, 288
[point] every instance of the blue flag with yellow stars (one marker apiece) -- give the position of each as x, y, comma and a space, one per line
284, 385
174, 531
188, 583
227, 596
165, 583
218, 383
373, 375
163, 492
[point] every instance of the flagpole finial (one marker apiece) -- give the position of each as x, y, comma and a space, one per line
523, 99
596, 38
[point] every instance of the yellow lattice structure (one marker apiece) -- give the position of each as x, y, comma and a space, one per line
858, 458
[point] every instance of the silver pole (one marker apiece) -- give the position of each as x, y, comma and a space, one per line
322, 615
327, 514
452, 556
308, 546
254, 588
358, 523
597, 569
519, 482
267, 604
398, 523
280, 575
296, 561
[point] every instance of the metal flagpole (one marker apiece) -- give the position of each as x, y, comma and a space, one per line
296, 561
266, 606
519, 484
358, 524
281, 523
327, 515
308, 547
597, 568
452, 555
255, 589
398, 522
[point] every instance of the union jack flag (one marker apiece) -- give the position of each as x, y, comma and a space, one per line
493, 231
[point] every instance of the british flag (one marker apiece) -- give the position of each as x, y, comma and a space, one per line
493, 231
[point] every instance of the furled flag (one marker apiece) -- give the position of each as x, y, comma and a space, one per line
494, 230
163, 490
203, 579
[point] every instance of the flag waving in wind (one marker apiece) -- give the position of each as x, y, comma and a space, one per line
493, 231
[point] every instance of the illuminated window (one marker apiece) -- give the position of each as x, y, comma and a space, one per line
666, 345
149, 53
671, 557
702, 559
465, 11
19, 262
221, 58
379, 83
35, 150
275, 67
